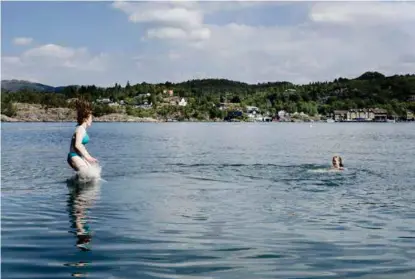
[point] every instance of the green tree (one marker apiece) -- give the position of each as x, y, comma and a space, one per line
8, 109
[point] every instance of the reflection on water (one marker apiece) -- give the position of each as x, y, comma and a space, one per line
81, 198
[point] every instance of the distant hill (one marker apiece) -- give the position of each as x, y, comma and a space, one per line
16, 85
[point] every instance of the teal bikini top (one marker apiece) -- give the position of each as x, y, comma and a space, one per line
85, 139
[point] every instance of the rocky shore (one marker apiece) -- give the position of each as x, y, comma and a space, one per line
35, 113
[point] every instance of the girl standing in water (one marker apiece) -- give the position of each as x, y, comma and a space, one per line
78, 156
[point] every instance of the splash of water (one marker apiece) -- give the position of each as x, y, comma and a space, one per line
91, 173
326, 170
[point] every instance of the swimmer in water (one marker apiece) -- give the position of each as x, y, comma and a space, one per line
78, 156
337, 163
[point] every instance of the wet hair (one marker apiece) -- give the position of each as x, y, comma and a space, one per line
340, 162
83, 109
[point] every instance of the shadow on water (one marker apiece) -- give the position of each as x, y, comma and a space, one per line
81, 198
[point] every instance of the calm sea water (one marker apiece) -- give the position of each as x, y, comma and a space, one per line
225, 200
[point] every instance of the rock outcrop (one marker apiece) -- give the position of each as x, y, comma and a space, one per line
36, 113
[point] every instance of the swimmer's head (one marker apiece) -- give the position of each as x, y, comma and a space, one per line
84, 112
337, 162
334, 161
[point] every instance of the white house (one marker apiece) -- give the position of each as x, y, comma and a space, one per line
103, 101
146, 105
252, 112
252, 109
182, 102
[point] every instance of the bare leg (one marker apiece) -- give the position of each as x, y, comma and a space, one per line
77, 163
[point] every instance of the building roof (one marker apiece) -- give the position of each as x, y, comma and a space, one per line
374, 110
377, 110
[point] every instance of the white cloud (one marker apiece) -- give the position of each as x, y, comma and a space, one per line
180, 17
172, 20
363, 12
11, 60
167, 32
56, 56
302, 53
55, 64
177, 19
335, 39
51, 50
22, 41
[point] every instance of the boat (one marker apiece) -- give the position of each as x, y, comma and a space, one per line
329, 120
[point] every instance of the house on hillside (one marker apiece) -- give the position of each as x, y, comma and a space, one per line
252, 109
340, 115
145, 105
380, 114
103, 101
176, 101
360, 114
182, 102
253, 113
364, 114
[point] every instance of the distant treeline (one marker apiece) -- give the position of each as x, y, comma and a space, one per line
370, 90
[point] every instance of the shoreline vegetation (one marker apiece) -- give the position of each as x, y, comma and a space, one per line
36, 113
371, 97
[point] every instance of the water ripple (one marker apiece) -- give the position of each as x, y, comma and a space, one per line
191, 201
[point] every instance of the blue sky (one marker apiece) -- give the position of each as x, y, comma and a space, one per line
101, 43
93, 24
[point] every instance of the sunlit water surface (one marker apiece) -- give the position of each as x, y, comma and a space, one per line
225, 200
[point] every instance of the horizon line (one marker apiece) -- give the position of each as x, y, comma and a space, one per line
211, 78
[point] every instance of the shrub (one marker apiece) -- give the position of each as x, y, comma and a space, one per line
8, 109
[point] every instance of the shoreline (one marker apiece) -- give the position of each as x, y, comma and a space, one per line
6, 119
35, 113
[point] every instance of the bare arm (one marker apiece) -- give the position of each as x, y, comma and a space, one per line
80, 132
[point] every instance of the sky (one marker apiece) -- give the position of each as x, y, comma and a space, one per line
101, 43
